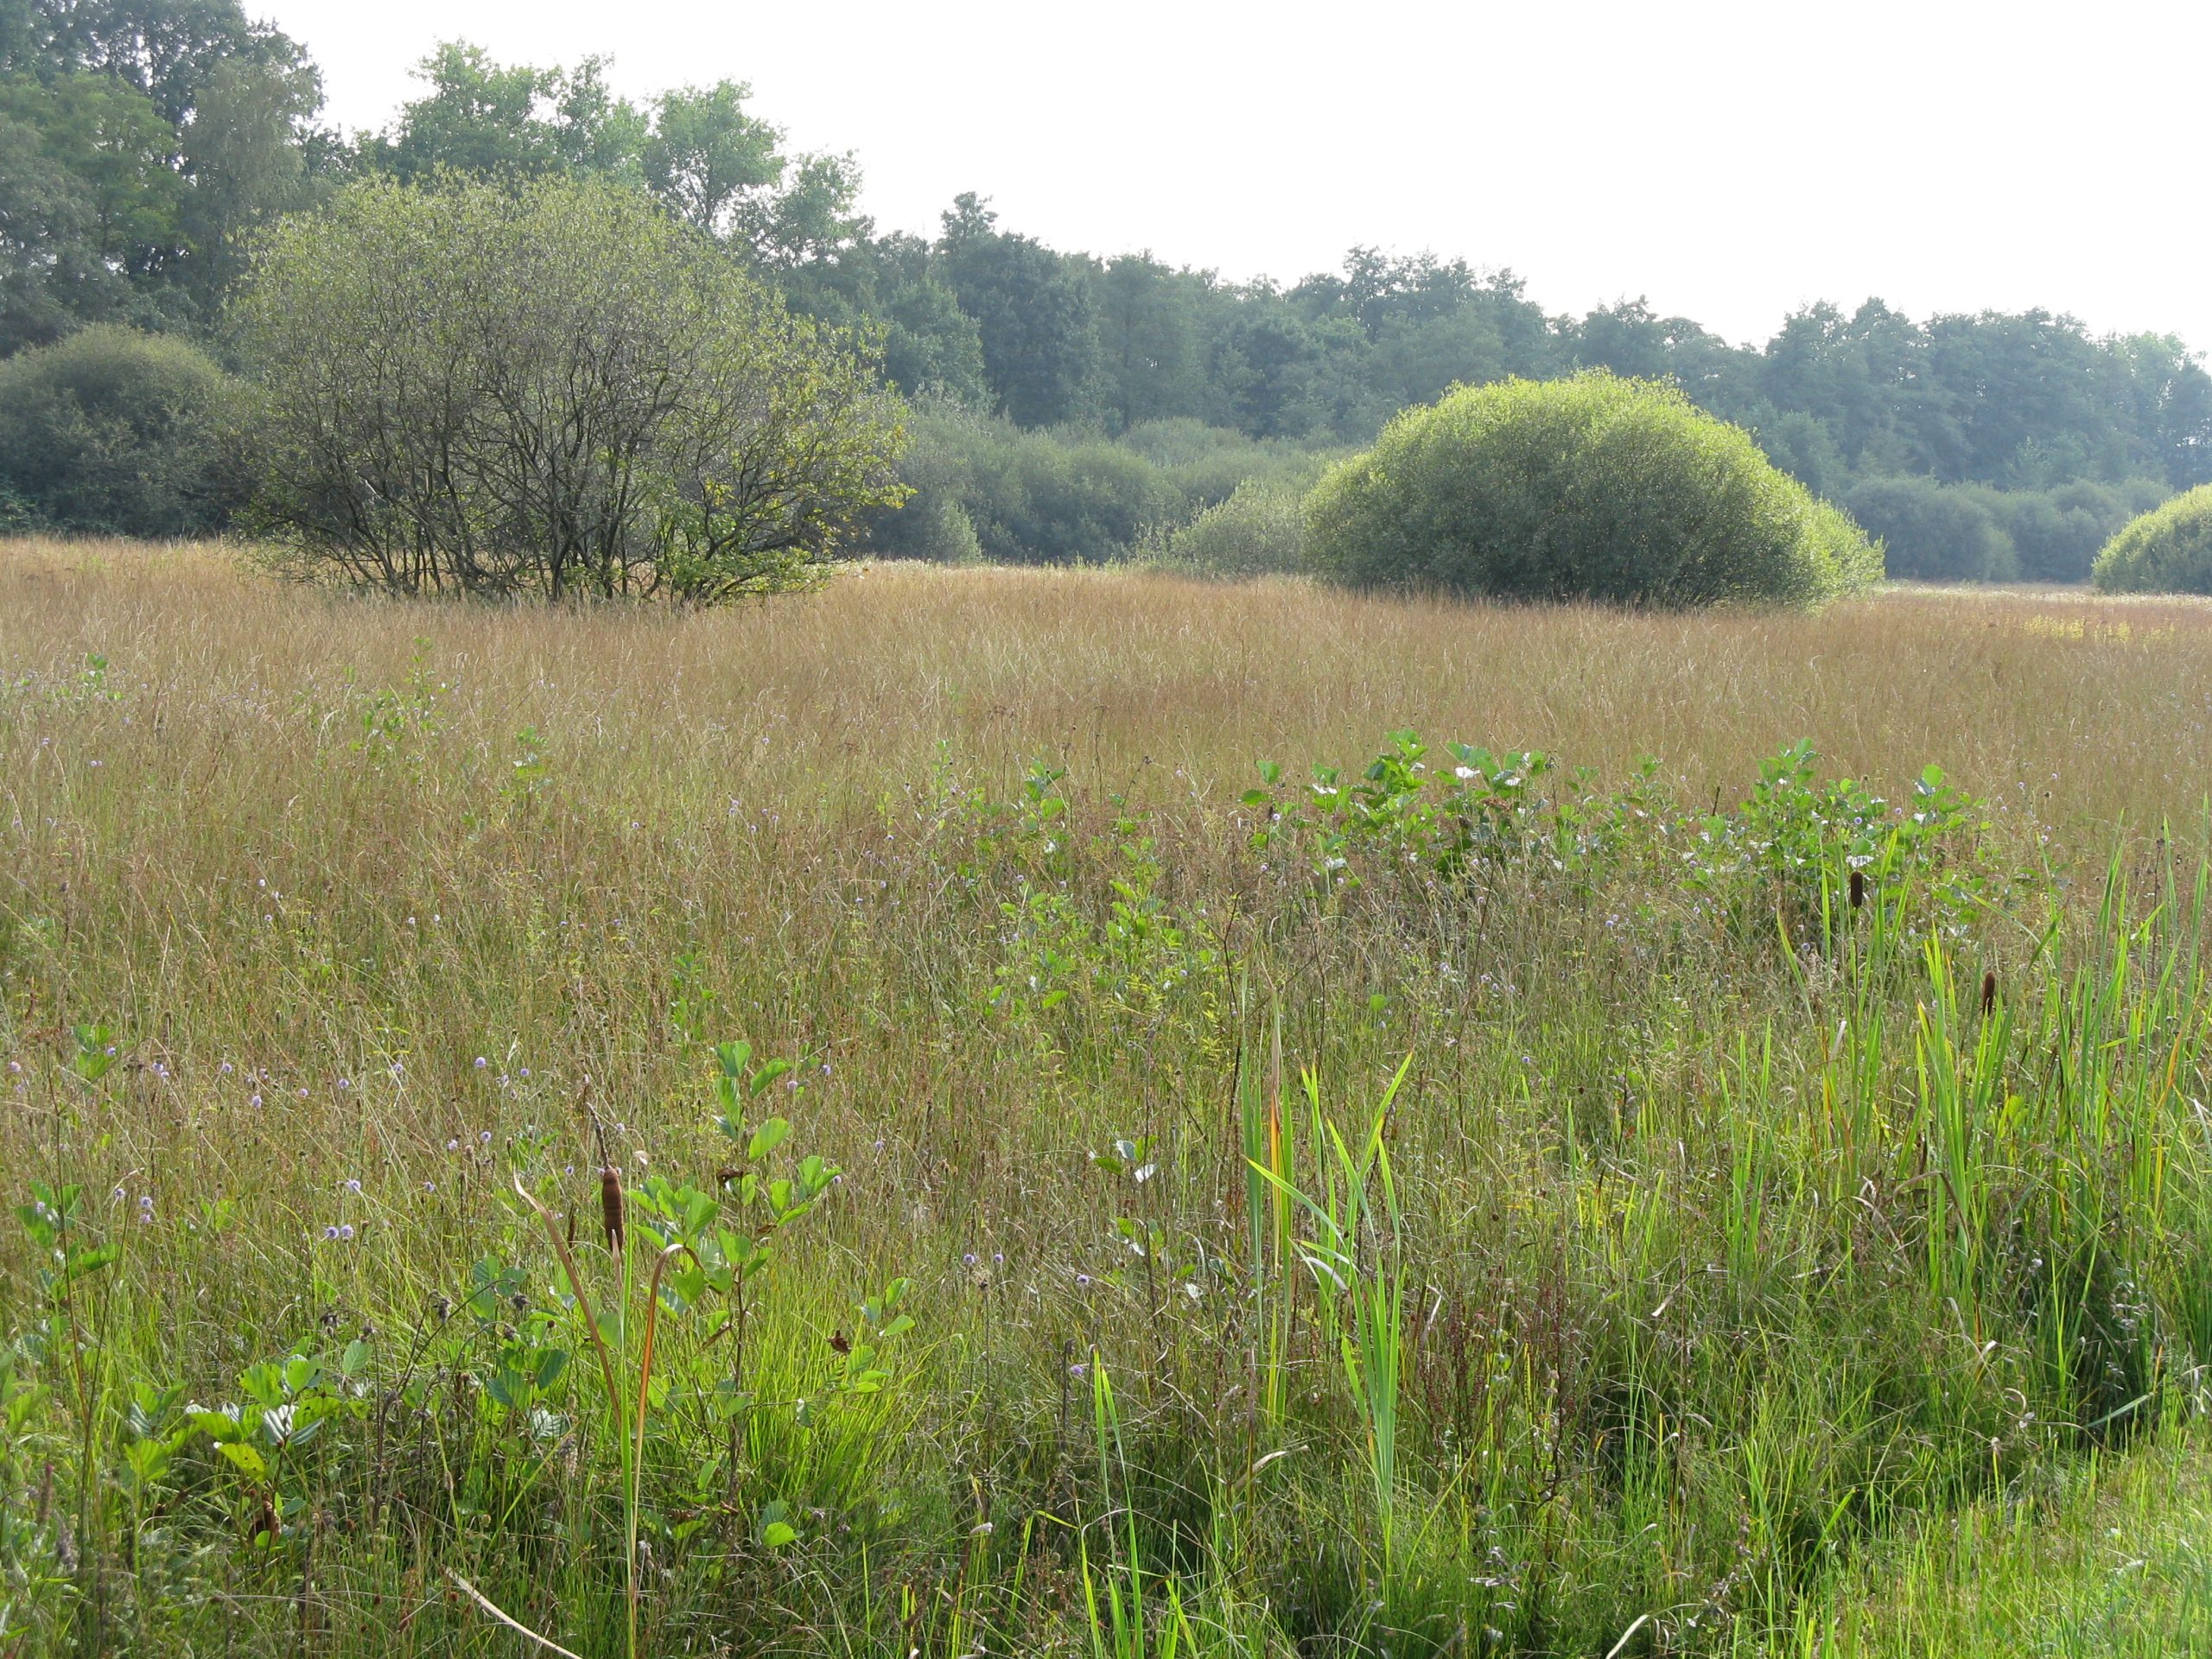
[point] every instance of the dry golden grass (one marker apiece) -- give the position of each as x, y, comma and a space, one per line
2098, 706
733, 781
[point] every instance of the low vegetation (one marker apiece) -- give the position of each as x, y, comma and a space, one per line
985, 489
1936, 532
996, 1111
1258, 531
1594, 487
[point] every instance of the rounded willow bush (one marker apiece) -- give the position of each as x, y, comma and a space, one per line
1594, 487
2167, 550
119, 432
1259, 530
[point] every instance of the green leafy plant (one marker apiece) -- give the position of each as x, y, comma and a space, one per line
282, 1406
1592, 487
2165, 551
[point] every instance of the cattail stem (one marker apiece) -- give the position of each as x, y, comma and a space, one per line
583, 1301
645, 1394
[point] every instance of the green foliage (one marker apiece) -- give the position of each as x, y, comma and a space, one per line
1792, 856
1273, 370
933, 522
931, 346
553, 389
1259, 530
1970, 532
709, 158
251, 155
1800, 853
2024, 401
2055, 533
720, 167
483, 117
94, 208
117, 431
1022, 498
985, 488
2166, 551
138, 140
17, 516
933, 525
1594, 487
1933, 533
1033, 312
1058, 501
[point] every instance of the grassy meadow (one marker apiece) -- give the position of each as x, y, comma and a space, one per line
910, 1120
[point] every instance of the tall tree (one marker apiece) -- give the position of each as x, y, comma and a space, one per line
931, 346
1266, 364
2164, 397
245, 154
90, 202
483, 117
138, 139
1148, 338
707, 156
1033, 314
166, 49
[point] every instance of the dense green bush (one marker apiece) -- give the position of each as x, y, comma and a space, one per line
1208, 464
984, 487
1259, 530
1970, 532
119, 432
2166, 551
17, 516
1931, 533
1060, 502
2056, 533
1594, 487
2051, 543
932, 524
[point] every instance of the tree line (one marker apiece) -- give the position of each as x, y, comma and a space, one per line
145, 143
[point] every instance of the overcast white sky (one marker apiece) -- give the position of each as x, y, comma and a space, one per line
1729, 160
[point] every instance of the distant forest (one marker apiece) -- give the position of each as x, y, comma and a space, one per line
143, 142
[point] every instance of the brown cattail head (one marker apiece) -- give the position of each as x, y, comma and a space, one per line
1858, 888
1988, 991
610, 1206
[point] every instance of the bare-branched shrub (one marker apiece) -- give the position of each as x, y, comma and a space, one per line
559, 389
